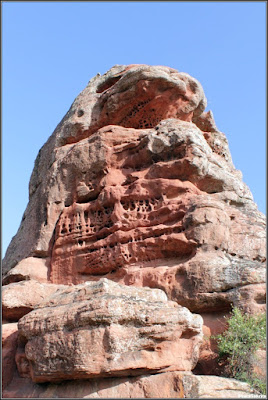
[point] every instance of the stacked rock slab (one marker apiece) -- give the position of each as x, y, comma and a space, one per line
137, 185
142, 344
175, 385
103, 329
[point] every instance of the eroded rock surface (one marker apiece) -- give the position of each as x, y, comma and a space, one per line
102, 329
143, 200
212, 387
9, 348
31, 268
20, 298
175, 385
137, 96
137, 185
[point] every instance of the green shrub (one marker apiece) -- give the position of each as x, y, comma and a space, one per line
238, 345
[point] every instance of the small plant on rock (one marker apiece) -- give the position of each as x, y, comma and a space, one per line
238, 345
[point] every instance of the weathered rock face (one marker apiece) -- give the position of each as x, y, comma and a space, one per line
20, 298
30, 268
102, 329
166, 385
9, 347
137, 185
136, 96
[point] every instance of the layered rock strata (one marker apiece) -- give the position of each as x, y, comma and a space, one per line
166, 385
155, 203
137, 185
103, 329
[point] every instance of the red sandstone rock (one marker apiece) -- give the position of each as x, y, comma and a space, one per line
214, 324
9, 347
165, 385
252, 298
133, 213
148, 207
212, 387
137, 184
106, 329
259, 364
20, 298
30, 268
137, 96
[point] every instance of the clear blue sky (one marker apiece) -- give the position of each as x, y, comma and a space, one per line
50, 50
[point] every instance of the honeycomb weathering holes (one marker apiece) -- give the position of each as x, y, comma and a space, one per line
97, 241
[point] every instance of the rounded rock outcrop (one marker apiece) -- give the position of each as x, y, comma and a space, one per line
135, 189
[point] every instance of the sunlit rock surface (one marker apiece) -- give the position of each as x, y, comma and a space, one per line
137, 185
104, 329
